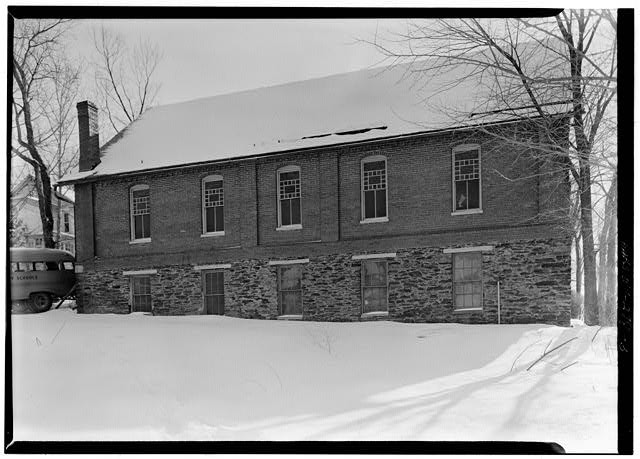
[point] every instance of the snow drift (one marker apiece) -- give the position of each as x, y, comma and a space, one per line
140, 377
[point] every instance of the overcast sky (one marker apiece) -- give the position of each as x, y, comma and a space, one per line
208, 57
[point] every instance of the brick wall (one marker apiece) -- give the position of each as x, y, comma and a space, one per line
419, 202
268, 199
420, 190
84, 221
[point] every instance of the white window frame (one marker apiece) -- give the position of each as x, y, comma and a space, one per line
279, 267
131, 216
476, 250
210, 178
66, 222
460, 149
284, 170
372, 159
132, 295
373, 259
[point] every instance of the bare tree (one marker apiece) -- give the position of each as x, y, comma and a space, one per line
44, 84
574, 215
533, 69
125, 77
59, 112
607, 263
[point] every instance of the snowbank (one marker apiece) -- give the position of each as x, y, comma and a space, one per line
139, 377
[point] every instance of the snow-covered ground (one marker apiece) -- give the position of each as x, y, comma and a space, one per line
139, 377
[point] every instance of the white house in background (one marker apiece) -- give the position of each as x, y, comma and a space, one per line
24, 209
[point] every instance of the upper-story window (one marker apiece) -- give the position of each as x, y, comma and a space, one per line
66, 222
140, 213
467, 180
213, 205
374, 189
289, 198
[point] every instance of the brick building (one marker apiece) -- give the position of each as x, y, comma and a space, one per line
339, 198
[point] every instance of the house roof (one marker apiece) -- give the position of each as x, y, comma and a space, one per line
350, 107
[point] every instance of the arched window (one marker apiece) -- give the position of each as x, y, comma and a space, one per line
289, 198
140, 213
374, 189
213, 205
467, 179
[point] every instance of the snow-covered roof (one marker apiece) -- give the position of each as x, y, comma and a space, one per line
356, 106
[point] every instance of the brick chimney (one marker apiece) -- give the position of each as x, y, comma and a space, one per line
88, 130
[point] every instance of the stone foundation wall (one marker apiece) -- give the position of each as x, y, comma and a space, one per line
534, 278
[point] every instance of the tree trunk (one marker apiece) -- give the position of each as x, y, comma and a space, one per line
43, 185
583, 149
609, 249
611, 298
578, 253
59, 206
602, 259
591, 316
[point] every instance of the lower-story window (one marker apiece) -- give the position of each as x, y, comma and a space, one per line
467, 280
140, 294
290, 290
374, 286
213, 290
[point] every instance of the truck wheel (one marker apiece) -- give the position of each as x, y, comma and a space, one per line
41, 302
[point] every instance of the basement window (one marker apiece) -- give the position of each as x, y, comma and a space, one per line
140, 293
290, 290
375, 298
213, 291
467, 280
140, 214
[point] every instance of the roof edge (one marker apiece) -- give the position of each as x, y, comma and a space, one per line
96, 177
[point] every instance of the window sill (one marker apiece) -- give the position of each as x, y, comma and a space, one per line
289, 228
375, 314
467, 212
288, 262
468, 310
374, 220
142, 272
214, 234
290, 317
476, 248
141, 241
